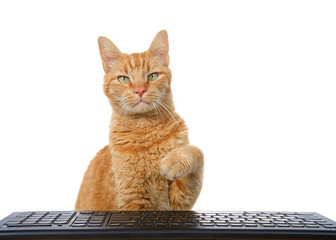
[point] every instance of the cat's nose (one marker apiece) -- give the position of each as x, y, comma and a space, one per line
140, 91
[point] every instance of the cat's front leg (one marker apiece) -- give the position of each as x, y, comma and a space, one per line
184, 167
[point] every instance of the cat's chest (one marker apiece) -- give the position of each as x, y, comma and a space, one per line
151, 142
142, 160
143, 148
142, 157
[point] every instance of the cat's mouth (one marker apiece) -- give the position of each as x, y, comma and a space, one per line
142, 106
141, 102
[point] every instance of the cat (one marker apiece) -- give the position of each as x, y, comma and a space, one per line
149, 163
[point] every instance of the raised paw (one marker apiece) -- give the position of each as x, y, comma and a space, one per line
174, 166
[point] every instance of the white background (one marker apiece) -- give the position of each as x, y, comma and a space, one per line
254, 80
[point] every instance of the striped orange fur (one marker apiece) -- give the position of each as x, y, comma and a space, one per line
149, 163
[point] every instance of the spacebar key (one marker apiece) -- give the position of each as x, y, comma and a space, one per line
29, 225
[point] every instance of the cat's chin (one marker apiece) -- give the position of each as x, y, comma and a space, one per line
142, 107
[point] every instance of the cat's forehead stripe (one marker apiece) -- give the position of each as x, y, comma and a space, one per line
125, 68
136, 61
147, 66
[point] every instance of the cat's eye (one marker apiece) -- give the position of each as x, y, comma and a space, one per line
152, 76
123, 79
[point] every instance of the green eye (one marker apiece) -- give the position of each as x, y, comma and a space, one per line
152, 76
123, 79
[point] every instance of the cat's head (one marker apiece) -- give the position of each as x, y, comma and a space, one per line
138, 82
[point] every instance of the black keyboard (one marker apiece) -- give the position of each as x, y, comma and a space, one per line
173, 224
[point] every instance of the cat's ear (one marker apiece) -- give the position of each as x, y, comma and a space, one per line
109, 53
160, 47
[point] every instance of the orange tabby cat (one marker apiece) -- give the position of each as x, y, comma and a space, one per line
148, 164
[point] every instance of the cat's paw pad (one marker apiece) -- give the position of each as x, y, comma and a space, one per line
173, 167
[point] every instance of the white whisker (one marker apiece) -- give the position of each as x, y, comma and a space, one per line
125, 113
167, 105
120, 111
157, 114
166, 109
160, 112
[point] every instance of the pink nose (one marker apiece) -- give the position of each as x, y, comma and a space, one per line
140, 91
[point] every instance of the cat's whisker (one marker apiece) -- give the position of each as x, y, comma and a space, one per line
125, 113
116, 115
166, 105
122, 117
160, 112
169, 108
164, 111
157, 114
119, 112
158, 101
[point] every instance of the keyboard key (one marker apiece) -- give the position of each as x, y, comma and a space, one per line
268, 225
46, 221
250, 225
97, 218
94, 225
312, 226
321, 221
209, 218
190, 224
64, 218
99, 213
29, 225
208, 224
78, 225
222, 224
308, 223
133, 213
30, 221
264, 222
249, 222
290, 222
12, 222
279, 222
234, 222
60, 222
130, 224
24, 215
329, 226
298, 225
34, 217
283, 225
80, 221
236, 225
120, 219
114, 225
146, 224
96, 222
